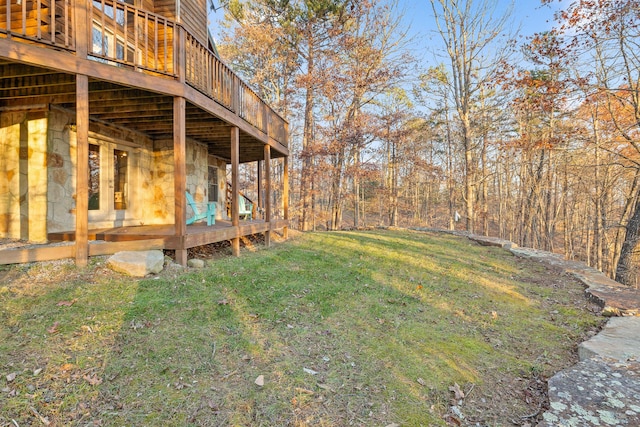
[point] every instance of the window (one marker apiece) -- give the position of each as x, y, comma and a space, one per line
213, 184
94, 177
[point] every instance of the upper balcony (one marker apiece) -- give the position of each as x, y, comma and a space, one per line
150, 47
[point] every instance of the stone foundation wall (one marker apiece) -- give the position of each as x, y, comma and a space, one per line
161, 195
61, 169
10, 175
197, 163
23, 183
38, 176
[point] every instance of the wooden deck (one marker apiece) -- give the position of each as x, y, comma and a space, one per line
133, 73
106, 241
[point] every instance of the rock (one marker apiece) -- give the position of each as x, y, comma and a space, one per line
137, 263
195, 263
493, 241
595, 392
619, 340
259, 381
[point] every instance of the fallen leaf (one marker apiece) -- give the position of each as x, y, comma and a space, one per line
36, 372
457, 391
54, 328
304, 391
11, 377
421, 382
66, 367
309, 371
93, 379
67, 303
494, 314
259, 381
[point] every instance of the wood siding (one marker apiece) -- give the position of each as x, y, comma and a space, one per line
193, 16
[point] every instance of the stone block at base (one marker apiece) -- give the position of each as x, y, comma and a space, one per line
137, 263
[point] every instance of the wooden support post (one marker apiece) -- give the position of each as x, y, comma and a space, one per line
235, 162
260, 187
179, 52
267, 197
81, 28
82, 170
179, 176
285, 196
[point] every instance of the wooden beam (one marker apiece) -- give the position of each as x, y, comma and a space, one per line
267, 197
45, 253
82, 169
235, 213
179, 176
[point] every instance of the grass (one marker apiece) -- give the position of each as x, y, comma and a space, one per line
385, 321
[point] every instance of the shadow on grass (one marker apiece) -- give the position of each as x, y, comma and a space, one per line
346, 328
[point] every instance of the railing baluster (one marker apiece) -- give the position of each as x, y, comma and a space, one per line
102, 33
146, 39
155, 42
39, 18
166, 33
66, 23
8, 18
52, 6
24, 16
136, 36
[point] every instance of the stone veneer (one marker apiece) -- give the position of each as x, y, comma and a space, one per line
23, 183
38, 182
61, 190
197, 162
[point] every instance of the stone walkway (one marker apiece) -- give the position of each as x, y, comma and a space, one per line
603, 388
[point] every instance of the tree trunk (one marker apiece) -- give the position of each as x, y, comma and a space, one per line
307, 142
624, 269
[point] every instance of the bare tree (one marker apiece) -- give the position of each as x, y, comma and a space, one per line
469, 30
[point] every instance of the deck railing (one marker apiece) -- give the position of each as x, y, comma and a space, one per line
122, 35
44, 21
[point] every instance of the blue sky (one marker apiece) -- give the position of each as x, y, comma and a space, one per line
528, 17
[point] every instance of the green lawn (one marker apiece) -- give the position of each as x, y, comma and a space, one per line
350, 328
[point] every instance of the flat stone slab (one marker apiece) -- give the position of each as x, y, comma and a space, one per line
137, 263
595, 392
618, 340
615, 298
493, 241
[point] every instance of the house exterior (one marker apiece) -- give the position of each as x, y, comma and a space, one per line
110, 111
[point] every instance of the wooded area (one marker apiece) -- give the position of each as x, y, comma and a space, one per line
532, 139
